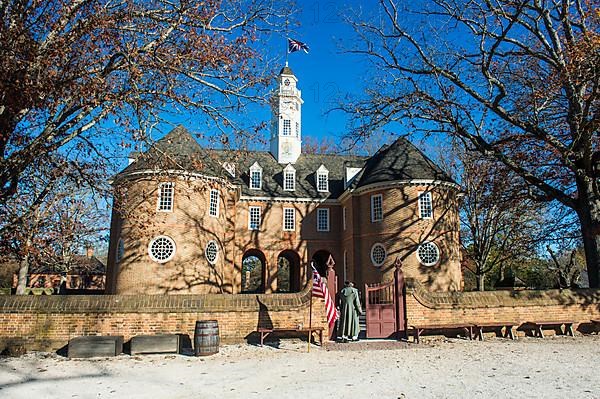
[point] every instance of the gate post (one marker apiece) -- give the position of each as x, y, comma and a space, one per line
399, 293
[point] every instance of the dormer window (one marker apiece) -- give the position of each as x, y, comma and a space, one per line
289, 178
322, 179
255, 177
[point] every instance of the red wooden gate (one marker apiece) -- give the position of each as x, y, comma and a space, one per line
385, 316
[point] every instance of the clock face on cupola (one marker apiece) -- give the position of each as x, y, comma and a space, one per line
286, 137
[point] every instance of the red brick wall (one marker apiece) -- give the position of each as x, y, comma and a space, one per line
49, 322
424, 307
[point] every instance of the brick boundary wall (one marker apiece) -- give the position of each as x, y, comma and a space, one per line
48, 322
424, 307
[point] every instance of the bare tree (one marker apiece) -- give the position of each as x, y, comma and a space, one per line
67, 66
54, 216
515, 80
499, 224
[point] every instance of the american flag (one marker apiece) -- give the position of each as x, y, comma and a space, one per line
296, 45
320, 290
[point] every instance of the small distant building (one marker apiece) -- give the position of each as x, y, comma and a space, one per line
85, 272
187, 219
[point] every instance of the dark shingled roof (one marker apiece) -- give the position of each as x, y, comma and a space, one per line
178, 150
400, 160
286, 70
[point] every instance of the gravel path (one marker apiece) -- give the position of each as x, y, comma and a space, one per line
555, 367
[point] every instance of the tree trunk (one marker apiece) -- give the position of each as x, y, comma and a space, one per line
589, 218
481, 282
23, 272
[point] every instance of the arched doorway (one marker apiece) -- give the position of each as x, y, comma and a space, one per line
320, 259
288, 272
253, 272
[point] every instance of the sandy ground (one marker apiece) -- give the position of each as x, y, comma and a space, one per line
555, 367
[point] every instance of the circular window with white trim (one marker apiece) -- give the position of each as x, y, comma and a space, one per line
212, 252
378, 254
428, 254
161, 249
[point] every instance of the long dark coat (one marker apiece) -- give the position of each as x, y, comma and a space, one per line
349, 310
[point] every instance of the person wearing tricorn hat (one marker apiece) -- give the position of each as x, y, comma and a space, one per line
349, 310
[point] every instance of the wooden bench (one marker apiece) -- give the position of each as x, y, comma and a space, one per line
265, 332
419, 329
537, 326
163, 343
95, 346
507, 325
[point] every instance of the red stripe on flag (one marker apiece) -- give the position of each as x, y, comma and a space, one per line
320, 290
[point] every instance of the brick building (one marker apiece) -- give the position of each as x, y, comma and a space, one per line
192, 220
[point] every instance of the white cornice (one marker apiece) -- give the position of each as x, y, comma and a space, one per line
288, 199
176, 172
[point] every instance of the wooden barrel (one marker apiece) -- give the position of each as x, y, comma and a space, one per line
206, 337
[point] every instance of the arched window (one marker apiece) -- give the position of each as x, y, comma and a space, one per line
289, 178
288, 272
253, 268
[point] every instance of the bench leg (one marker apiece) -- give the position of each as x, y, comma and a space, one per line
509, 333
480, 333
416, 334
569, 329
539, 332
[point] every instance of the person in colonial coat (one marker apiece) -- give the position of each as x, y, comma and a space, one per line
349, 310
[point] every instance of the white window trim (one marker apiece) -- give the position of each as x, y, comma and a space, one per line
344, 214
289, 170
428, 193
373, 197
250, 217
214, 261
326, 210
216, 215
293, 219
322, 171
255, 168
164, 260
439, 254
160, 185
378, 264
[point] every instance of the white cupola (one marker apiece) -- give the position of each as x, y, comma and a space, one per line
286, 124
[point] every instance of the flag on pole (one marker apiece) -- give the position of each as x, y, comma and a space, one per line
296, 45
320, 291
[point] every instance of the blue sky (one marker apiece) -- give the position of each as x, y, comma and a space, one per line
325, 74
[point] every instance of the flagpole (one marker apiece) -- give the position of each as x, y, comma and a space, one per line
287, 52
310, 308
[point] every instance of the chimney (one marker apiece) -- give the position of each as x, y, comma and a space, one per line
89, 252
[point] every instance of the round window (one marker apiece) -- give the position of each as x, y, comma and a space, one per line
378, 254
428, 254
120, 250
211, 252
161, 249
